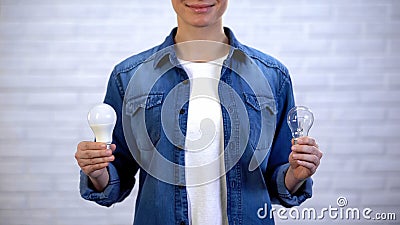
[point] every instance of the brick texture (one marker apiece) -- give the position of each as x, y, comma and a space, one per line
56, 56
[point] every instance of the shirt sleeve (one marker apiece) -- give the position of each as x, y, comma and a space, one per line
278, 162
109, 196
284, 197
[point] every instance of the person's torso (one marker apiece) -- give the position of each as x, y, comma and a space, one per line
156, 104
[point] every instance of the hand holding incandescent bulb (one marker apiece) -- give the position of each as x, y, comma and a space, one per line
102, 119
305, 156
300, 119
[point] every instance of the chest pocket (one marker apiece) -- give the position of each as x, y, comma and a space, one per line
262, 115
145, 117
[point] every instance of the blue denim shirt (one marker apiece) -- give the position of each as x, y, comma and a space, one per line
250, 186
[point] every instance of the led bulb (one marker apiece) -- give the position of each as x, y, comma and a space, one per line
102, 120
300, 119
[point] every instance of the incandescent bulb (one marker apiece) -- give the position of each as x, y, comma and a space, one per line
102, 120
300, 119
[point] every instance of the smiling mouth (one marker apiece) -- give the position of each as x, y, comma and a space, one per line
200, 8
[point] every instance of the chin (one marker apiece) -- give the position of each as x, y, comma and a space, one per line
201, 23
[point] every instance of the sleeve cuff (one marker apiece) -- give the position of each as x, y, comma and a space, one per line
284, 197
110, 194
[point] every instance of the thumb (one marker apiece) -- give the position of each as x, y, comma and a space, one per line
113, 147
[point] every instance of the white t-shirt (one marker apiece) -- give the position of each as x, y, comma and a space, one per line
204, 144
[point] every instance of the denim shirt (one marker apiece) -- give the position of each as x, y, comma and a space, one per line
257, 167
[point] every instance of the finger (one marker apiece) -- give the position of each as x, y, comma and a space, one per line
307, 141
310, 166
88, 145
91, 168
94, 161
306, 149
293, 162
90, 154
307, 158
113, 147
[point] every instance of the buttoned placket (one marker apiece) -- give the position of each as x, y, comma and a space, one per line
231, 150
181, 105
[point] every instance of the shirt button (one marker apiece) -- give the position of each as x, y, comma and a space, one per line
182, 111
185, 81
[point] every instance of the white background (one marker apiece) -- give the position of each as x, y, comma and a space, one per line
56, 57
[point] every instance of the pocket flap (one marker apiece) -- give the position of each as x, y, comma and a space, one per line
259, 102
145, 102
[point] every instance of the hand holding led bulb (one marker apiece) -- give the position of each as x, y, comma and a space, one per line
94, 157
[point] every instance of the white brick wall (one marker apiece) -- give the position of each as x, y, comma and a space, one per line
56, 56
